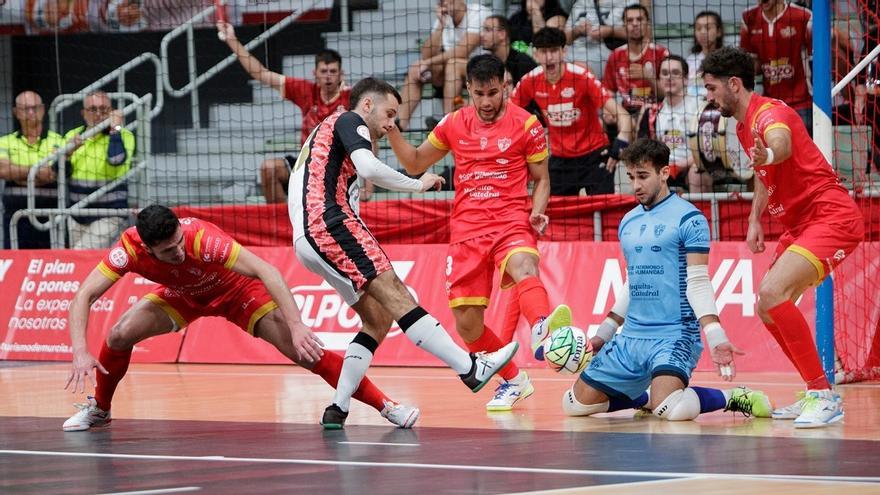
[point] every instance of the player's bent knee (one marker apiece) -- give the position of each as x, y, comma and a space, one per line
681, 405
572, 407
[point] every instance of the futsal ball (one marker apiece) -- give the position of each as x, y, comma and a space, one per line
567, 350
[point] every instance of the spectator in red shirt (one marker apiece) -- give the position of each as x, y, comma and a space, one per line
318, 99
632, 69
779, 36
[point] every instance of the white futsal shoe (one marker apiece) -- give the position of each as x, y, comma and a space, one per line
88, 416
820, 408
485, 364
400, 414
510, 392
559, 317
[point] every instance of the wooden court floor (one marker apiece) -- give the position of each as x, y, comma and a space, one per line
254, 429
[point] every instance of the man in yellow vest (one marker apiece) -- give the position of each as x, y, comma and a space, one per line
19, 151
96, 162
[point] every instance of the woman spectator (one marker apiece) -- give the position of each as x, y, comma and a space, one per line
708, 37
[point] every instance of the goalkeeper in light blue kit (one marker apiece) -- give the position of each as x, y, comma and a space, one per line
667, 298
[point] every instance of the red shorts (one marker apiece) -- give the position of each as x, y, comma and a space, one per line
470, 263
824, 244
242, 304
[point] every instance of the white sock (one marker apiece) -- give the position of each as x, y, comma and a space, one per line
357, 359
426, 332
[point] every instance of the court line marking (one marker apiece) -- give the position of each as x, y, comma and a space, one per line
399, 377
671, 484
393, 444
453, 467
158, 491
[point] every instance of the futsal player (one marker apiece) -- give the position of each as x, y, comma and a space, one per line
667, 298
497, 147
331, 240
202, 271
801, 191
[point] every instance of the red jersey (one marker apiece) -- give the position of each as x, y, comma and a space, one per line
205, 272
491, 168
635, 92
782, 46
307, 96
570, 108
803, 182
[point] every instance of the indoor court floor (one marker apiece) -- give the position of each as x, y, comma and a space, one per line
235, 429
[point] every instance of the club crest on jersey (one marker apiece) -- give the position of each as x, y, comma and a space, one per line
484, 141
118, 257
567, 92
503, 144
363, 132
658, 229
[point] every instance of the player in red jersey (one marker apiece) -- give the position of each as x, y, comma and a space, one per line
497, 147
632, 69
570, 98
202, 272
779, 35
331, 240
317, 99
822, 223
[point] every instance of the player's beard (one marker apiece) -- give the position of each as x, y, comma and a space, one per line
496, 113
726, 106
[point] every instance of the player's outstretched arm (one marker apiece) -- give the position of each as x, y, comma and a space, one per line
305, 343
250, 63
701, 297
415, 160
84, 364
372, 169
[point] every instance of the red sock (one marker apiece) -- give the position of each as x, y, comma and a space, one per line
777, 336
533, 300
488, 341
329, 368
116, 364
799, 340
511, 316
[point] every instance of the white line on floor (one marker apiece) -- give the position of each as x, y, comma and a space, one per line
393, 444
455, 467
158, 491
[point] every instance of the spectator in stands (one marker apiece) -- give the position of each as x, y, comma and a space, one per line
595, 28
779, 36
455, 35
94, 163
632, 69
708, 37
570, 97
669, 121
19, 151
495, 39
317, 99
532, 16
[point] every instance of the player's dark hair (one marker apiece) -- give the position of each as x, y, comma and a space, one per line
646, 150
371, 85
717, 17
485, 68
328, 56
636, 6
548, 37
679, 59
730, 61
156, 223
503, 23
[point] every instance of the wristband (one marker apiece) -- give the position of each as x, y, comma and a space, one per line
770, 156
607, 329
715, 335
618, 146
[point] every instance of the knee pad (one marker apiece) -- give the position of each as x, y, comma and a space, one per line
681, 405
572, 407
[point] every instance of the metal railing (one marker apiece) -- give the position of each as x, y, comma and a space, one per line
56, 222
